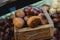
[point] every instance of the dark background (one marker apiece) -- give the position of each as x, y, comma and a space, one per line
16, 4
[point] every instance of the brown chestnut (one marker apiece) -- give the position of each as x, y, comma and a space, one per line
19, 13
59, 24
45, 21
43, 18
26, 18
31, 11
18, 22
40, 10
2, 33
55, 15
35, 10
59, 15
7, 30
41, 15
27, 11
34, 21
56, 20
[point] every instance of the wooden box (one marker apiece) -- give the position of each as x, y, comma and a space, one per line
34, 34
38, 33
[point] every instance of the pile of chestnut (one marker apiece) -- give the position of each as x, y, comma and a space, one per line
56, 19
55, 15
33, 17
30, 17
6, 29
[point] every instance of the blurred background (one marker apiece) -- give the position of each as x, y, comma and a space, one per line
7, 5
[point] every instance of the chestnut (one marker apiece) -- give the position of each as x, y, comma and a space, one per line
40, 10
59, 24
35, 10
26, 18
19, 14
56, 20
34, 21
55, 15
6, 36
43, 18
27, 11
45, 21
2, 23
41, 15
0, 28
7, 30
59, 15
31, 11
12, 29
2, 33
18, 22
